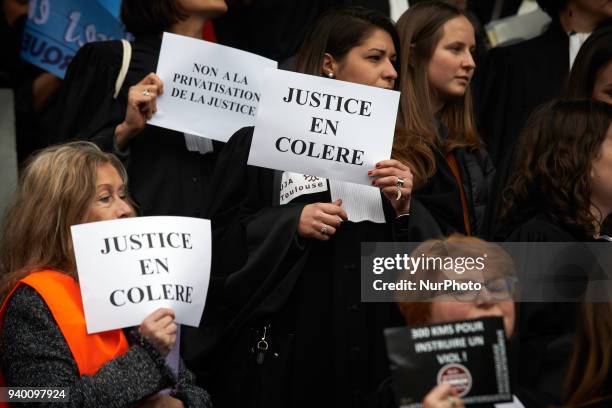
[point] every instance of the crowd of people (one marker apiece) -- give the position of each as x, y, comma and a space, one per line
517, 149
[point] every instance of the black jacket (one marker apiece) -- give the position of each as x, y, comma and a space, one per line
436, 208
325, 346
546, 329
514, 80
34, 353
165, 178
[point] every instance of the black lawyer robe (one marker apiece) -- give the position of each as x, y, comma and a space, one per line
164, 177
516, 79
276, 28
326, 347
545, 330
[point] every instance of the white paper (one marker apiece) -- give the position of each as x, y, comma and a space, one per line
361, 203
109, 279
397, 8
294, 185
356, 141
196, 73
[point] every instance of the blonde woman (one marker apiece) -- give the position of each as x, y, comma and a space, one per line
43, 336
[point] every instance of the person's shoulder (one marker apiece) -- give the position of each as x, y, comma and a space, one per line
25, 304
241, 139
533, 46
24, 297
541, 228
102, 52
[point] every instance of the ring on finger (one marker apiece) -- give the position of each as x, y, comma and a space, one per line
398, 185
452, 402
324, 230
146, 92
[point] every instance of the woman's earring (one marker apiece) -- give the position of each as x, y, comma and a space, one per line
330, 74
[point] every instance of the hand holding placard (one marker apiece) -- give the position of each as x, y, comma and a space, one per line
443, 395
130, 267
322, 127
211, 90
395, 180
320, 220
470, 355
142, 104
160, 329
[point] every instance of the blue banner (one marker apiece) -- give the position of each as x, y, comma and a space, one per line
56, 29
113, 6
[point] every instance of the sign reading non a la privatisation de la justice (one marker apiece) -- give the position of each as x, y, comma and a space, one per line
130, 267
323, 127
210, 90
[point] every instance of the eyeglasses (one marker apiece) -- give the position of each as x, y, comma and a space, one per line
497, 289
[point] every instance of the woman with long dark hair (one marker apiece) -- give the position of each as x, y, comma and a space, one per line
295, 332
559, 191
590, 78
588, 382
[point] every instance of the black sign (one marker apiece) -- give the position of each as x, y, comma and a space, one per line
470, 355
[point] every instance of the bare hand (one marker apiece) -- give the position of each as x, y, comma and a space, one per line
142, 104
160, 329
386, 175
321, 217
43, 88
161, 401
443, 396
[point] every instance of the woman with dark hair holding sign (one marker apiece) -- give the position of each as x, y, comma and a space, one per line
107, 97
43, 334
291, 330
438, 137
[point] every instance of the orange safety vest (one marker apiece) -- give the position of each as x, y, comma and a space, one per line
63, 297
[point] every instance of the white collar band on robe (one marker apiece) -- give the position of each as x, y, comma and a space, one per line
575, 43
198, 144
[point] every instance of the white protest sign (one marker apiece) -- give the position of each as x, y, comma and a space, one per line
210, 90
323, 127
130, 267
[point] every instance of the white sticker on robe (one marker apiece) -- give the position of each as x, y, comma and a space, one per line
294, 185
